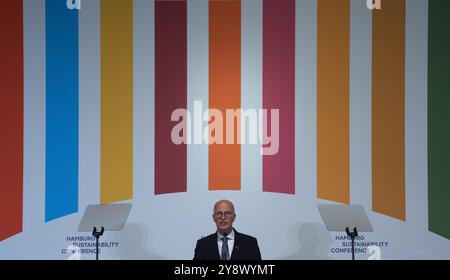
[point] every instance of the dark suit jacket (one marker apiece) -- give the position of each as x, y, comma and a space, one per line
245, 248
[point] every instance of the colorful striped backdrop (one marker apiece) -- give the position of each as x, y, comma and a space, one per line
225, 78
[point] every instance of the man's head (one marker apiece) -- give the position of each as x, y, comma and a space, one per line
224, 216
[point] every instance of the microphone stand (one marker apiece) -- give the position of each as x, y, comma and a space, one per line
97, 235
352, 236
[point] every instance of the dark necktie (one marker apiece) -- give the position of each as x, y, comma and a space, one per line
224, 255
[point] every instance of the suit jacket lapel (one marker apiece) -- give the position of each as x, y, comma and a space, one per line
214, 246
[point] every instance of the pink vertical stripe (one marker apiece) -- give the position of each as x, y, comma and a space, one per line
279, 92
170, 94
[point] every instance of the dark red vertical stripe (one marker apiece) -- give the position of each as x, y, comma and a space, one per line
11, 117
170, 94
279, 92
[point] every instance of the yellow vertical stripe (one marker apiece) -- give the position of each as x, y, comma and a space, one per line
388, 109
116, 100
333, 79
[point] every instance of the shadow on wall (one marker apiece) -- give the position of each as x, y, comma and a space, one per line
132, 242
315, 242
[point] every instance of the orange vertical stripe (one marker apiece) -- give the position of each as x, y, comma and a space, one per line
333, 80
388, 109
225, 89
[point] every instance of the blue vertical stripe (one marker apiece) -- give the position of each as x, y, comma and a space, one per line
61, 166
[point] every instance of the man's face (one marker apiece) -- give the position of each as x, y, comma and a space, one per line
224, 217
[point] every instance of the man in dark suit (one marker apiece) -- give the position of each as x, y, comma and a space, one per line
226, 243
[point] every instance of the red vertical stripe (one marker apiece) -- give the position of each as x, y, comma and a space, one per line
279, 92
11, 117
225, 90
170, 94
